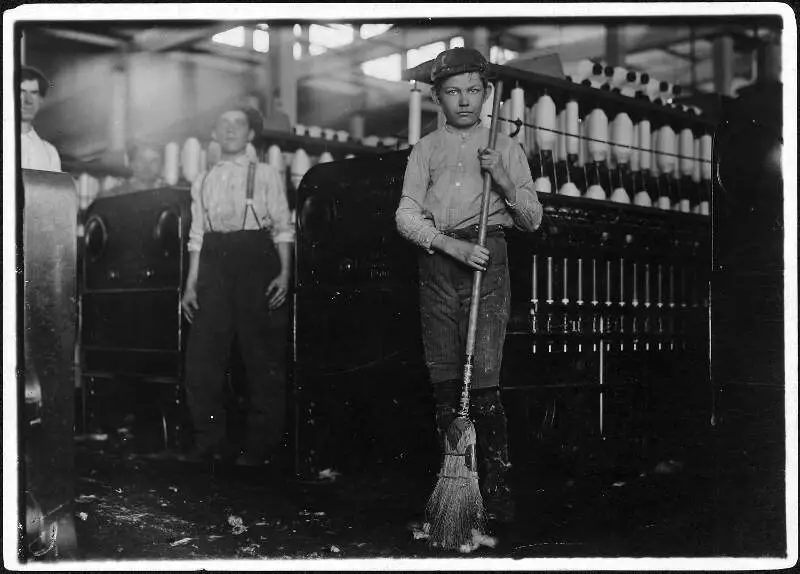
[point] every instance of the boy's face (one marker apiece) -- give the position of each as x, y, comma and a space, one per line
461, 98
232, 132
30, 99
146, 165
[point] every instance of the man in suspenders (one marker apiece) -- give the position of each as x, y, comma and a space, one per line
240, 246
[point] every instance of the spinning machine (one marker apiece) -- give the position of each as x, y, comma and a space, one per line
608, 336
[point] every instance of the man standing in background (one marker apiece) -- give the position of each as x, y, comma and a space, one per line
36, 152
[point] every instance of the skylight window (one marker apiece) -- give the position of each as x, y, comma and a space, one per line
261, 41
233, 37
386, 68
370, 30
330, 36
498, 55
416, 56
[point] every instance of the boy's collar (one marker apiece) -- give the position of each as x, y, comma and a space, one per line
240, 159
464, 133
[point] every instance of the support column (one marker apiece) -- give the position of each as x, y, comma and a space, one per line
281, 44
769, 61
357, 127
118, 111
615, 47
478, 39
723, 65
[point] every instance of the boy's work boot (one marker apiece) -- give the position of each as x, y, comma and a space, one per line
446, 395
495, 465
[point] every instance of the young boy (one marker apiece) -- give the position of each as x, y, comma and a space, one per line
439, 211
240, 246
146, 161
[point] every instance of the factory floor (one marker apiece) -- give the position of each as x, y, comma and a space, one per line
135, 506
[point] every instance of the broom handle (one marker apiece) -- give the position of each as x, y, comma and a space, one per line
472, 326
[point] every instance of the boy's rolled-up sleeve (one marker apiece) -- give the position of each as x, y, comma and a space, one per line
527, 213
197, 229
277, 205
413, 223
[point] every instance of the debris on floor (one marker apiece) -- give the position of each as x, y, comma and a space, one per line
237, 523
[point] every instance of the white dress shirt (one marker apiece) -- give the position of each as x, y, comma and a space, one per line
37, 153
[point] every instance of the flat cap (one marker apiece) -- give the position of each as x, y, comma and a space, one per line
458, 61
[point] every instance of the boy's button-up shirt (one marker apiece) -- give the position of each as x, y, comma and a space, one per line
443, 186
224, 189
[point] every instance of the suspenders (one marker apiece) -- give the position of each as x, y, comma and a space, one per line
251, 182
249, 207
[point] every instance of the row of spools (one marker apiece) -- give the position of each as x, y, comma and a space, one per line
583, 152
629, 83
184, 163
391, 142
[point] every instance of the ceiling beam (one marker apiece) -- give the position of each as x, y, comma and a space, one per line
359, 51
680, 55
158, 39
84, 37
595, 47
238, 54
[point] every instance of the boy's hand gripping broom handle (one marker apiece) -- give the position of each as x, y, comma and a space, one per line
472, 326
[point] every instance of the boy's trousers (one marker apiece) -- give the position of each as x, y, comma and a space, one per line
235, 270
445, 291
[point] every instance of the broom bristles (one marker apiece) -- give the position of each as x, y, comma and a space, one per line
455, 508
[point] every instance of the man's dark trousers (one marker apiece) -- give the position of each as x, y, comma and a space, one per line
235, 270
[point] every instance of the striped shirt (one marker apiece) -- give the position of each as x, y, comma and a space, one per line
219, 202
443, 186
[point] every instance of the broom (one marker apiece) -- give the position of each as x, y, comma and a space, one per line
455, 513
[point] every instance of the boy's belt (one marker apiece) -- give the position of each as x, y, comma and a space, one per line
471, 232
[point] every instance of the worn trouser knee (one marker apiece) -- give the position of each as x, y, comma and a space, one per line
486, 410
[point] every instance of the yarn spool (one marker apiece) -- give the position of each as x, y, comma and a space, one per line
587, 70
518, 113
505, 113
190, 159
706, 143
301, 163
545, 120
686, 161
171, 163
652, 89
565, 138
275, 159
640, 163
597, 127
665, 145
696, 177
622, 139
